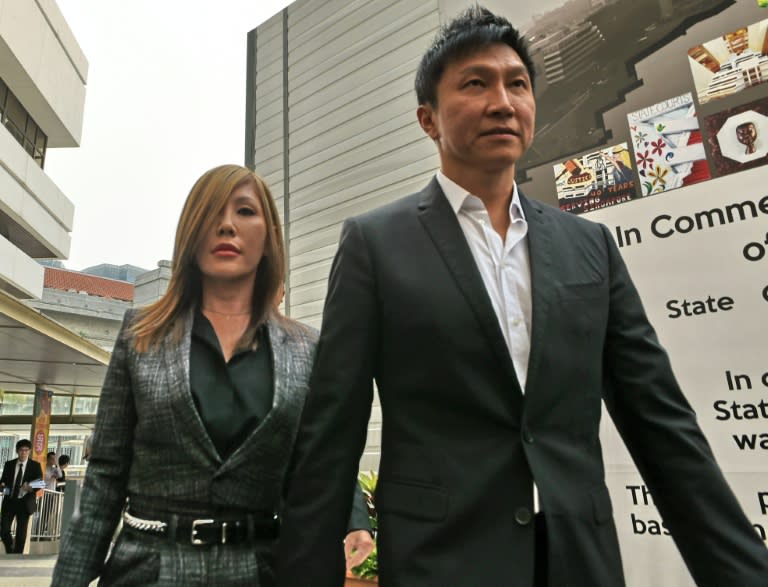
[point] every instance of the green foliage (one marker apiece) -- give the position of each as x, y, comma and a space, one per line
370, 568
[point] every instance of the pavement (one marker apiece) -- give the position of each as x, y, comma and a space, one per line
26, 570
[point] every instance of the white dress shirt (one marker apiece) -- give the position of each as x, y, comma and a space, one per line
503, 264
19, 472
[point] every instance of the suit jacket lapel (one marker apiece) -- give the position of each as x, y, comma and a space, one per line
540, 254
280, 352
176, 358
443, 227
27, 477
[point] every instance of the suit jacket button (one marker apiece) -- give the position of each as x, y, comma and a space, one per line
523, 516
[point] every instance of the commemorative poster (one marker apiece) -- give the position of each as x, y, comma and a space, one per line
595, 180
652, 119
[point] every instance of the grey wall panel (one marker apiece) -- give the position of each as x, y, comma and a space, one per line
309, 293
270, 90
328, 236
389, 147
353, 140
317, 272
319, 253
397, 160
280, 202
265, 151
364, 98
359, 131
336, 81
272, 172
355, 38
335, 214
309, 312
309, 19
272, 27
271, 107
271, 70
320, 193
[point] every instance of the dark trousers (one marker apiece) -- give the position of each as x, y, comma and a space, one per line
540, 566
14, 509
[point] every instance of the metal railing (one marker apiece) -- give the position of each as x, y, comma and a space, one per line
46, 521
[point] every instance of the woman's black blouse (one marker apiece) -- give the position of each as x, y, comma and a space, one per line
232, 398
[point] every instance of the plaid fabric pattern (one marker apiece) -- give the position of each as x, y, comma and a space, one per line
151, 446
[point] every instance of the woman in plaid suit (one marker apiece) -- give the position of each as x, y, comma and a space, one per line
199, 409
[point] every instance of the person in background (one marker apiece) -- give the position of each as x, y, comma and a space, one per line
494, 327
63, 464
18, 496
199, 409
52, 471
87, 448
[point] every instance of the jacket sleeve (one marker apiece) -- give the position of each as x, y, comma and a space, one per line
659, 427
86, 541
4, 479
334, 423
358, 518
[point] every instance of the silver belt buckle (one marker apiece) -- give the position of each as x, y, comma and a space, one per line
193, 537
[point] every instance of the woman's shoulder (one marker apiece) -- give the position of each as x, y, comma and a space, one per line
294, 331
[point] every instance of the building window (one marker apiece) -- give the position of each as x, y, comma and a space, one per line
20, 124
17, 404
85, 405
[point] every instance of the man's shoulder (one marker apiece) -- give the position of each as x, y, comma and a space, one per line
396, 210
562, 218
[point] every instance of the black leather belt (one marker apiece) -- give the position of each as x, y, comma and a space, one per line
205, 531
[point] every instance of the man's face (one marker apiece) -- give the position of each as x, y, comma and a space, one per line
485, 114
50, 460
23, 453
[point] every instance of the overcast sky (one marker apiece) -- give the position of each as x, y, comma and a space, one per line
165, 101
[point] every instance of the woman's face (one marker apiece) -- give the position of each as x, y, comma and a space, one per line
231, 252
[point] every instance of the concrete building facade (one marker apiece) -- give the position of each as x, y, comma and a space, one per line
90, 306
42, 95
43, 75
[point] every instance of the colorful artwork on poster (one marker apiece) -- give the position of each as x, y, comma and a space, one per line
596, 180
738, 137
730, 63
668, 146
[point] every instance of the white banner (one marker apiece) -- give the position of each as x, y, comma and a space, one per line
699, 258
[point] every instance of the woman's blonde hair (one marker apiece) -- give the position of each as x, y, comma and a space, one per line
206, 200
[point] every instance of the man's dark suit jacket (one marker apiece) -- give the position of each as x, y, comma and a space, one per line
461, 444
32, 472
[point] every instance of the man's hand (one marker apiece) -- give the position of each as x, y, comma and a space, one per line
357, 546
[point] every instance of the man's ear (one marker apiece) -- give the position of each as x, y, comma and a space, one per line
426, 115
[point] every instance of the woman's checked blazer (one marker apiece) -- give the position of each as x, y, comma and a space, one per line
151, 446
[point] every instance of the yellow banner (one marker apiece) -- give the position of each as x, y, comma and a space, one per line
41, 424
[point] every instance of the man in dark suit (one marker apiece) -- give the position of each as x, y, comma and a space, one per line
494, 326
18, 496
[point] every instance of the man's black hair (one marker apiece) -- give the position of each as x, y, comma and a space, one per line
63, 460
473, 29
23, 443
50, 453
